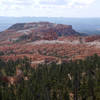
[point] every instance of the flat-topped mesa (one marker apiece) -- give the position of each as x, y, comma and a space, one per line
39, 26
21, 26
39, 31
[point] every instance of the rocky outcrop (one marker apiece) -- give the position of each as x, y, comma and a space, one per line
92, 38
11, 80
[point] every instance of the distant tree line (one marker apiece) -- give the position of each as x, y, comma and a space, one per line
75, 80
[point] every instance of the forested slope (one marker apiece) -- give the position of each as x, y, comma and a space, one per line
78, 80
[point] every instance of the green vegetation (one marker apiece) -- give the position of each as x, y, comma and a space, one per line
78, 80
1, 53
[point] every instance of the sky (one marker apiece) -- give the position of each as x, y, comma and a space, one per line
50, 8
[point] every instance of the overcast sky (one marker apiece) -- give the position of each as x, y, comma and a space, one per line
50, 8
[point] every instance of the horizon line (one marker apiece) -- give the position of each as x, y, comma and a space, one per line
44, 17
